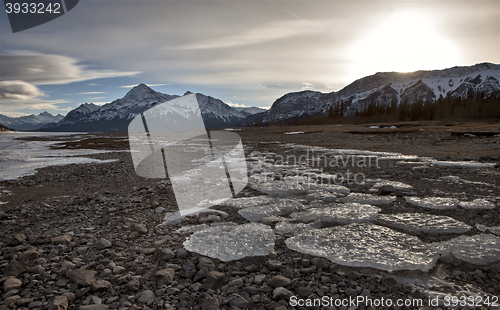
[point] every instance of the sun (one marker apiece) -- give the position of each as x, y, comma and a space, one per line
403, 41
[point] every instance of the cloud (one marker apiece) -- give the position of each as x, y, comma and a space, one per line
17, 95
18, 90
43, 69
90, 93
262, 34
149, 85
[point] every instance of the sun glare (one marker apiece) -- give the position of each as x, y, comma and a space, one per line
403, 41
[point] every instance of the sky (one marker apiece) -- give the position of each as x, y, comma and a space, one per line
246, 53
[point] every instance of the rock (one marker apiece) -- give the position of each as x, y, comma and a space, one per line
35, 304
239, 302
189, 269
93, 307
141, 229
203, 261
18, 238
81, 276
147, 251
102, 220
282, 293
100, 285
30, 255
279, 280
236, 282
10, 300
133, 285
118, 270
12, 284
165, 254
303, 291
147, 297
385, 190
94, 300
103, 244
24, 301
273, 265
64, 240
167, 275
181, 253
208, 302
321, 262
159, 210
14, 268
67, 265
70, 296
214, 280
259, 279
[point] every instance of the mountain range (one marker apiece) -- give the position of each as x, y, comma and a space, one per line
116, 115
383, 89
29, 122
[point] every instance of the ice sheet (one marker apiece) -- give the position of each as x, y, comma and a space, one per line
337, 190
280, 208
365, 245
339, 214
280, 189
287, 227
321, 196
462, 164
400, 186
247, 202
368, 199
477, 204
437, 203
232, 243
478, 250
418, 223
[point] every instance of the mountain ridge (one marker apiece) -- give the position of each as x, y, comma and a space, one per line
383, 88
29, 122
116, 115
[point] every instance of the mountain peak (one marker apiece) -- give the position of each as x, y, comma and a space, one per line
187, 93
141, 92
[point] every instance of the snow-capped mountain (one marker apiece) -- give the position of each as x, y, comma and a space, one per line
384, 88
247, 111
116, 115
29, 122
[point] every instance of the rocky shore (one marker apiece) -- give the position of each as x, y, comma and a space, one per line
88, 236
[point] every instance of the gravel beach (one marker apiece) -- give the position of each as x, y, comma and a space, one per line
88, 236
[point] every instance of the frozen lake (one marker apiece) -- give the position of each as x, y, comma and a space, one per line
19, 158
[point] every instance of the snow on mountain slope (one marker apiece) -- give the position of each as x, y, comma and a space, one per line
384, 88
116, 115
29, 122
247, 111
